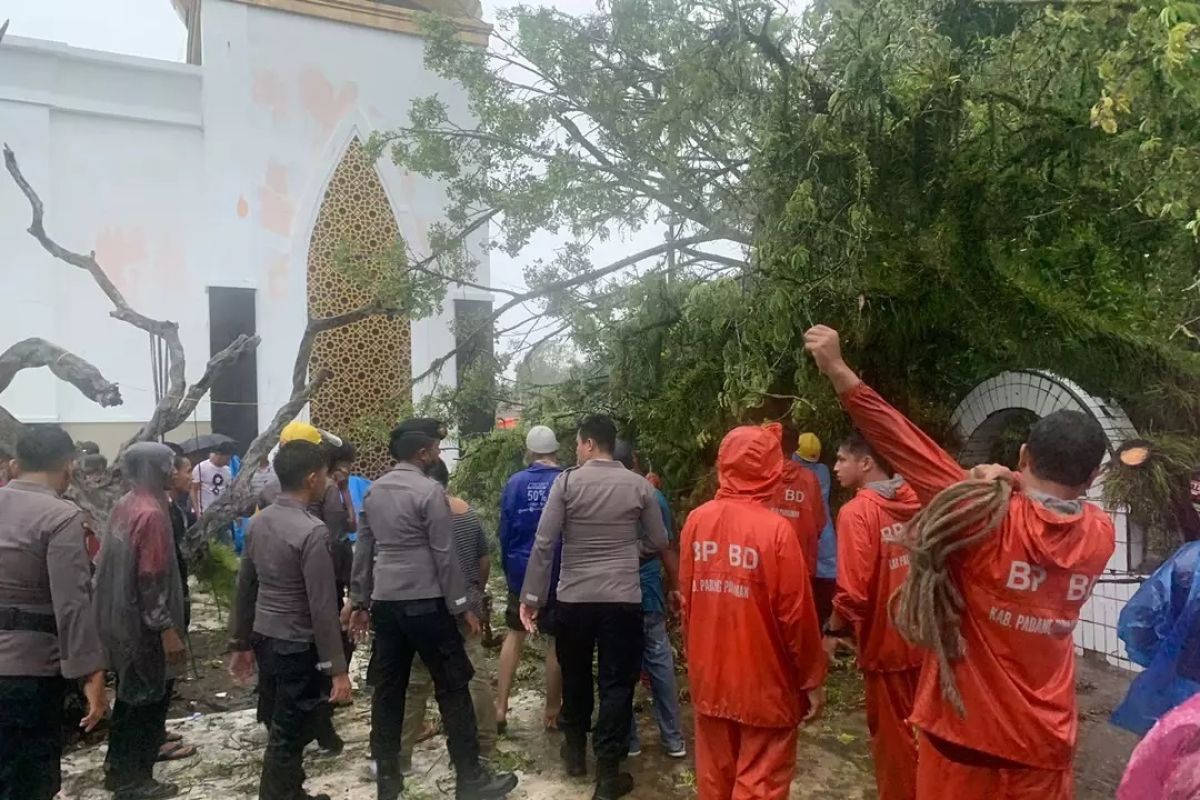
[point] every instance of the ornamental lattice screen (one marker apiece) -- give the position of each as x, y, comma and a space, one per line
371, 361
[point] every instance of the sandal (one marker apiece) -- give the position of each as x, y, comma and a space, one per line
174, 736
175, 751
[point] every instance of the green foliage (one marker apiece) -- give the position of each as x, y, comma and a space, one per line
218, 571
962, 188
1155, 490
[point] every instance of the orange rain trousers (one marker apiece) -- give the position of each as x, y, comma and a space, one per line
890, 697
742, 762
938, 778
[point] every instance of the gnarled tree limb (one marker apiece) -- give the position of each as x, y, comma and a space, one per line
179, 401
34, 353
239, 500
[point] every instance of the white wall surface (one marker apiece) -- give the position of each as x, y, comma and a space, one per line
184, 177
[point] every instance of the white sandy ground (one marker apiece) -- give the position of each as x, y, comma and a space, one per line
231, 744
832, 761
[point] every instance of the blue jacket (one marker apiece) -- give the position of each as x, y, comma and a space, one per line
521, 507
1160, 626
654, 595
827, 544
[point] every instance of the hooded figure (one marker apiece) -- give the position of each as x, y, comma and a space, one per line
872, 565
1160, 626
754, 645
140, 616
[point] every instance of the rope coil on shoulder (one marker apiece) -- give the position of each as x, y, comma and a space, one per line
928, 607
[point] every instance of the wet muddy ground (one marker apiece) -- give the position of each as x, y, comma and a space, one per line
833, 759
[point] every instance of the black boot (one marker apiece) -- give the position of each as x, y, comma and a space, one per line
389, 783
611, 783
477, 783
148, 789
574, 756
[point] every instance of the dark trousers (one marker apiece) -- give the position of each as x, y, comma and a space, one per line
615, 629
408, 628
293, 701
31, 737
135, 735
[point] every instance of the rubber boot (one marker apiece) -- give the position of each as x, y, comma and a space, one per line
390, 783
574, 755
476, 783
611, 783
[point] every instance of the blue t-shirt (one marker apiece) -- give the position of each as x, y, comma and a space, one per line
827, 544
654, 596
521, 507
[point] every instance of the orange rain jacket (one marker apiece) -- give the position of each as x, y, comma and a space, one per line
1024, 586
798, 499
753, 640
872, 563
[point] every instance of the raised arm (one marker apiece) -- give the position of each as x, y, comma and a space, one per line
927, 467
536, 589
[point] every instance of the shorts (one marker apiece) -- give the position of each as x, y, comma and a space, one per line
546, 617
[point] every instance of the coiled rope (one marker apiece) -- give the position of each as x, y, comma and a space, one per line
928, 607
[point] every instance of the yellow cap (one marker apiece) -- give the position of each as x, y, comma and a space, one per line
299, 432
809, 447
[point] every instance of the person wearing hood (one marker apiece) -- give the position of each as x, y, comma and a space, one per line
798, 499
872, 564
1158, 626
140, 618
1022, 588
47, 634
755, 662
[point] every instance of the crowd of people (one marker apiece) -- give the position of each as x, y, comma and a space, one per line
767, 585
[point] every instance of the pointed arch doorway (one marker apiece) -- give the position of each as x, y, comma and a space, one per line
370, 360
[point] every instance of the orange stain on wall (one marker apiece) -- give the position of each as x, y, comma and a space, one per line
243, 208
118, 250
276, 205
322, 103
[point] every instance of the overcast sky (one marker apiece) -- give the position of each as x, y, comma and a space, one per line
150, 28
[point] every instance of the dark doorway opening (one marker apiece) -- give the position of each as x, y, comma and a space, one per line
231, 313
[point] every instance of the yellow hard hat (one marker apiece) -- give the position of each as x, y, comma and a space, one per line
299, 432
809, 447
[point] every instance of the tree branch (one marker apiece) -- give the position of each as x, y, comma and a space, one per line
566, 283
169, 420
168, 331
240, 500
34, 353
178, 402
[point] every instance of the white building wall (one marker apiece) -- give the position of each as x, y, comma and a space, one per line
184, 177
283, 96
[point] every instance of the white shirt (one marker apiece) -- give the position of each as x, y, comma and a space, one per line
213, 481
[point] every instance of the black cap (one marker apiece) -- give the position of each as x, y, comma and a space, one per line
424, 426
